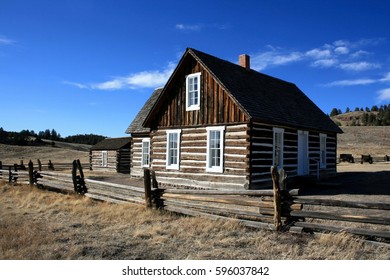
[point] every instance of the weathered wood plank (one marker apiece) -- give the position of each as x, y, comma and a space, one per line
340, 203
384, 220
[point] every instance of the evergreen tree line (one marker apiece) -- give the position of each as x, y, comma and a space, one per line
376, 116
29, 137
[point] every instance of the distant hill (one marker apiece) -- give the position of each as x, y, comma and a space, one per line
352, 118
47, 137
376, 116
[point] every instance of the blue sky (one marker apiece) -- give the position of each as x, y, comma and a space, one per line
89, 66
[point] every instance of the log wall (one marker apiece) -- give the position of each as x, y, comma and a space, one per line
136, 169
193, 149
261, 158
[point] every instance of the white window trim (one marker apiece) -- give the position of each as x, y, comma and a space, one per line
278, 130
104, 155
323, 160
173, 166
145, 140
197, 106
215, 169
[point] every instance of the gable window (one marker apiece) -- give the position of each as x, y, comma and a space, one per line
323, 150
173, 148
193, 92
215, 140
104, 158
278, 147
145, 160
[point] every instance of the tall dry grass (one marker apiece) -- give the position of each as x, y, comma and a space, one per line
37, 224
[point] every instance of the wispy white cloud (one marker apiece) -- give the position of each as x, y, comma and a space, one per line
274, 57
144, 79
318, 53
341, 54
6, 41
325, 63
386, 78
359, 66
201, 26
358, 82
383, 95
188, 27
78, 85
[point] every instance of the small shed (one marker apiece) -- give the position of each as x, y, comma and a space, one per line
111, 154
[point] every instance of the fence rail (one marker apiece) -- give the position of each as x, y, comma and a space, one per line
276, 209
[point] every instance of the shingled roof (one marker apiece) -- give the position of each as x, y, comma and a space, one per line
266, 98
136, 125
111, 144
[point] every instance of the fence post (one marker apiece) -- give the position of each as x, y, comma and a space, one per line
22, 167
50, 165
10, 174
31, 173
277, 202
148, 188
1, 167
39, 165
74, 174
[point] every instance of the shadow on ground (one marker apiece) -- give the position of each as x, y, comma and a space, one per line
355, 183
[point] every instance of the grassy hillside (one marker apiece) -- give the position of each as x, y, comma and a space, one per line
358, 140
61, 153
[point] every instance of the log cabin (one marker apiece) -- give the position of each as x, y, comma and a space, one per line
218, 124
111, 154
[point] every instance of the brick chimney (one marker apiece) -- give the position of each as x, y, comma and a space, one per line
244, 61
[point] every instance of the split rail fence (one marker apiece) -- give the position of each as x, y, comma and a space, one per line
276, 209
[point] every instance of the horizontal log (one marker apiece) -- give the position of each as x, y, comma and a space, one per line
114, 191
104, 198
57, 185
247, 223
357, 231
221, 211
221, 192
215, 199
126, 187
340, 203
113, 195
55, 174
341, 217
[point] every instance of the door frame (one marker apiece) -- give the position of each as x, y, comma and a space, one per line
303, 153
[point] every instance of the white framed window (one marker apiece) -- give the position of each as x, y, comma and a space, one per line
322, 150
173, 149
104, 158
278, 147
215, 145
193, 92
145, 159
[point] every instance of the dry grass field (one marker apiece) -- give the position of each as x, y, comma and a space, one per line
37, 224
358, 140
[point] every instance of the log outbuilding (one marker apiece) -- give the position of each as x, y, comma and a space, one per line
111, 154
